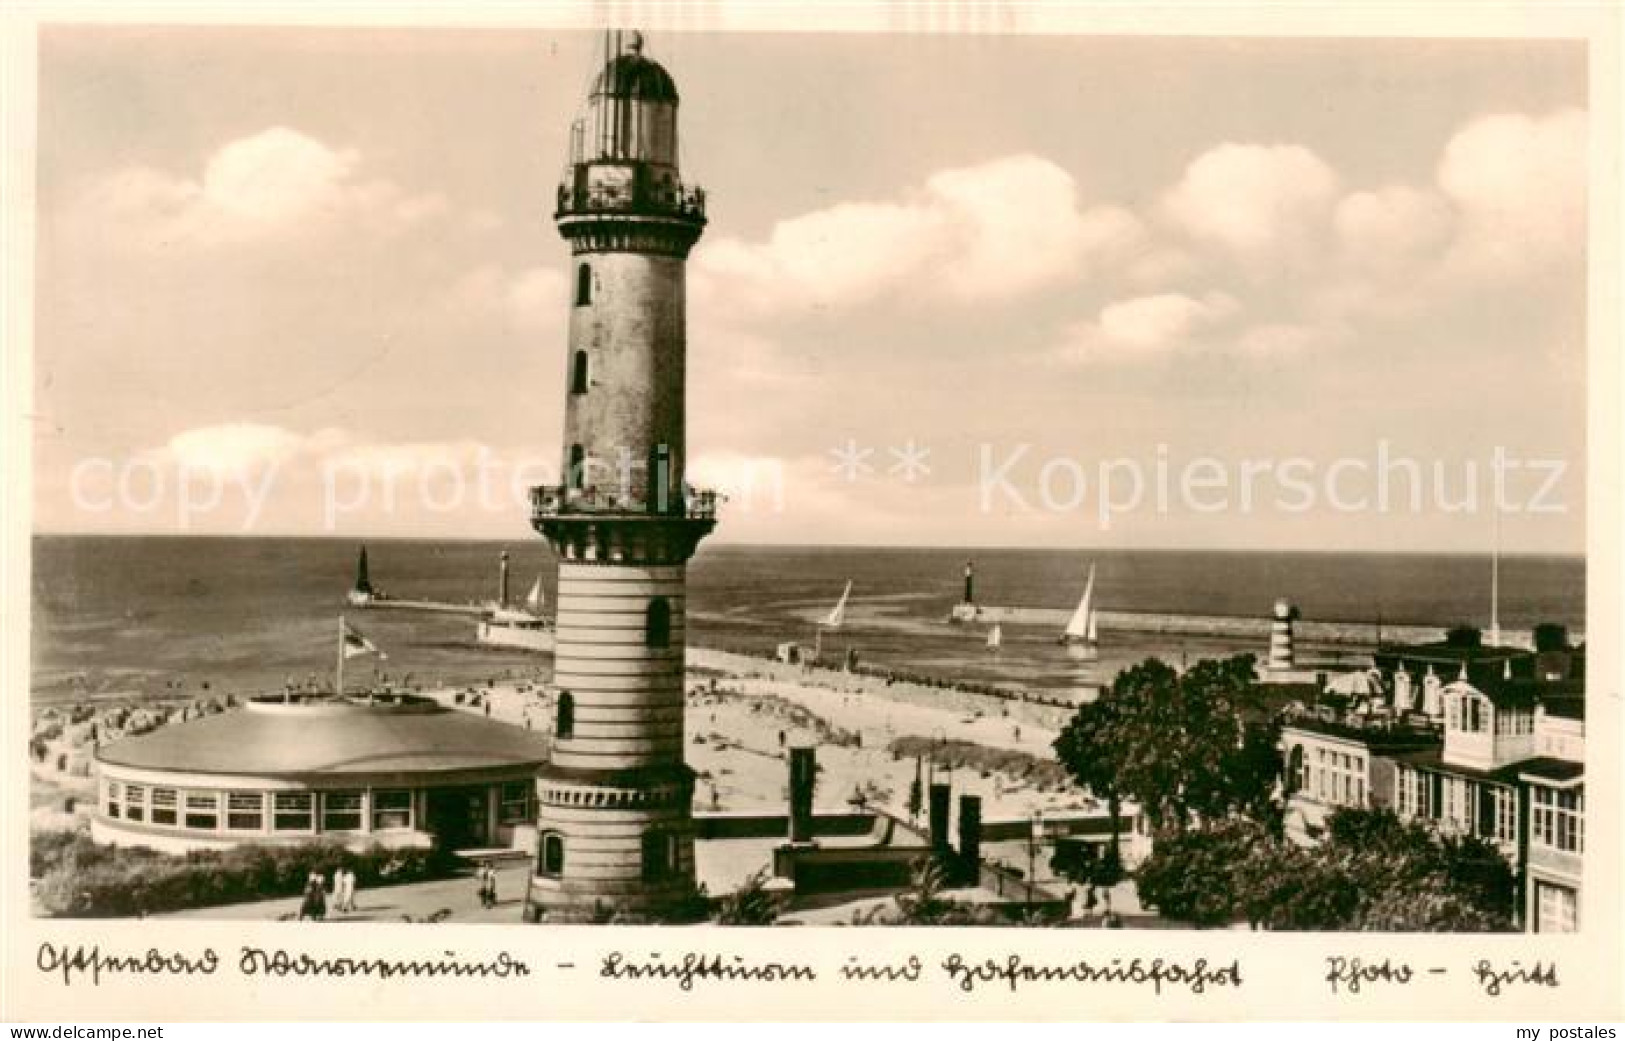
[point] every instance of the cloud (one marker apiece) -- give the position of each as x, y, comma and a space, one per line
1519, 185
1391, 229
273, 183
1265, 204
983, 233
229, 449
1165, 320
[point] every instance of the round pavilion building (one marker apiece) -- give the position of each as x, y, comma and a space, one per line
397, 770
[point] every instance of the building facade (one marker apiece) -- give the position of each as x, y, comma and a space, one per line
1511, 771
615, 823
1335, 761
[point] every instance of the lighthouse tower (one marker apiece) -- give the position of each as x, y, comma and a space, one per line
615, 826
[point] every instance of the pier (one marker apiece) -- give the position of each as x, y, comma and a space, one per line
435, 606
1364, 634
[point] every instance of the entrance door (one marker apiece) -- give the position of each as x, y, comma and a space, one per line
458, 817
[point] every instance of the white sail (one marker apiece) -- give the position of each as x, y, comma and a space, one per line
534, 599
838, 614
995, 637
1081, 625
1093, 635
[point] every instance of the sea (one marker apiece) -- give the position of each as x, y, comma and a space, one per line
141, 617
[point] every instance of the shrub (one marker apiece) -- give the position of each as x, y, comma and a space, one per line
81, 878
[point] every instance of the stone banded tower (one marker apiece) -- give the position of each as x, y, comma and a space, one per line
615, 820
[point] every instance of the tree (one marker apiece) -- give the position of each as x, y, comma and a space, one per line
750, 904
1180, 745
915, 794
1373, 872
1082, 863
1196, 875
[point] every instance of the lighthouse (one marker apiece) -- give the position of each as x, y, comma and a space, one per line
615, 829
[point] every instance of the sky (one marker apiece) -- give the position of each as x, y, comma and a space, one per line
955, 290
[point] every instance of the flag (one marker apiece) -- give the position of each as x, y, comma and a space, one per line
357, 644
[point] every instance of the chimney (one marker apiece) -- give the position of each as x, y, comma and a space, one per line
970, 836
940, 796
502, 580
803, 776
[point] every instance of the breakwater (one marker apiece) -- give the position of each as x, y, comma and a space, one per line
1358, 634
432, 606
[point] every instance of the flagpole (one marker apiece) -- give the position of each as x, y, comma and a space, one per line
338, 684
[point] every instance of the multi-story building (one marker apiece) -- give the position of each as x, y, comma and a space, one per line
1497, 752
1338, 759
1510, 770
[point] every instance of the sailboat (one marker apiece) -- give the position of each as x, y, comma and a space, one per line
526, 628
837, 614
995, 638
1081, 636
834, 620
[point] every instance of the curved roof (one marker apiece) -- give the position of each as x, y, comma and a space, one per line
634, 76
270, 737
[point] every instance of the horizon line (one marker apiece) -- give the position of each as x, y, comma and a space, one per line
1580, 554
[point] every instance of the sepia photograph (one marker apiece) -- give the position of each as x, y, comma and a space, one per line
640, 474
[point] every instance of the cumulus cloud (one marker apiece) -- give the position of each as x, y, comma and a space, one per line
1519, 184
1266, 204
231, 449
276, 182
983, 233
1391, 228
1164, 320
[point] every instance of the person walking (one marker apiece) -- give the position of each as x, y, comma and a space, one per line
491, 885
313, 907
343, 890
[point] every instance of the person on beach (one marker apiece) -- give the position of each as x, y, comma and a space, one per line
486, 885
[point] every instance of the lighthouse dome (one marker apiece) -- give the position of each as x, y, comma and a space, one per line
632, 76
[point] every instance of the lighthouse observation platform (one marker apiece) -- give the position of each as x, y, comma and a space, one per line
661, 198
555, 502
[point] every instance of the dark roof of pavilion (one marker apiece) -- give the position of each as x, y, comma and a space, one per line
323, 736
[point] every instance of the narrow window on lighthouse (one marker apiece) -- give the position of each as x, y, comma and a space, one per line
578, 373
659, 855
578, 467
552, 854
565, 725
657, 624
583, 286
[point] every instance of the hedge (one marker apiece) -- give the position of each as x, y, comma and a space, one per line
79, 878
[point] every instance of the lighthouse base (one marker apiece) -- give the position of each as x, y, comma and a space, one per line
618, 846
